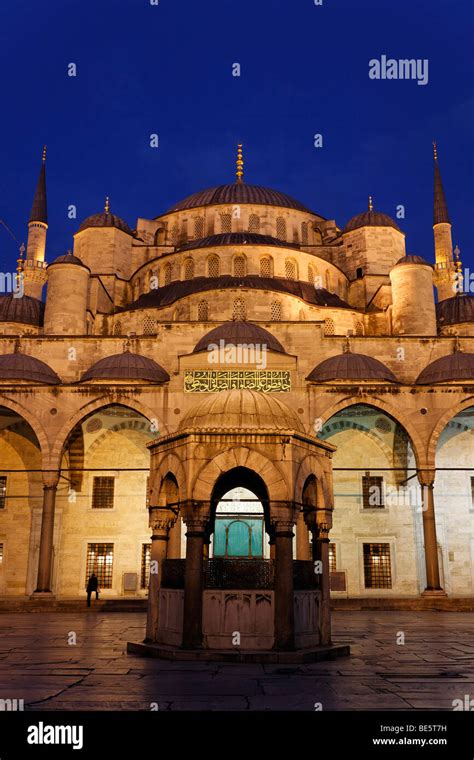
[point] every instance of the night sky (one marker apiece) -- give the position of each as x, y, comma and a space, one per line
167, 69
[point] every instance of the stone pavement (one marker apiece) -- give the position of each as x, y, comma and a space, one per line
433, 667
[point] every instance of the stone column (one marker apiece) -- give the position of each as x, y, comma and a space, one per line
320, 523
303, 550
45, 564
283, 586
174, 543
426, 479
194, 576
161, 520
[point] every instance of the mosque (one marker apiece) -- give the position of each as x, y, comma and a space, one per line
234, 391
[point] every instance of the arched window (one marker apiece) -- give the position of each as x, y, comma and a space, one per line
239, 311
239, 266
281, 228
265, 267
290, 269
359, 328
304, 233
310, 274
174, 234
199, 227
276, 311
136, 288
226, 223
329, 327
213, 266
254, 223
167, 274
203, 311
184, 231
118, 328
148, 326
188, 269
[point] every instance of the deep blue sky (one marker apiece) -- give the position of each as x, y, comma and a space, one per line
304, 70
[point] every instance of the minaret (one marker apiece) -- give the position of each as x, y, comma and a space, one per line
34, 270
445, 270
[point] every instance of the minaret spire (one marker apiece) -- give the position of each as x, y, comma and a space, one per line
240, 164
440, 210
39, 210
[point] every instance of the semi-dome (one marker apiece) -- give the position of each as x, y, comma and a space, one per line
458, 366
370, 218
349, 366
238, 193
19, 366
453, 311
25, 310
126, 366
412, 259
236, 238
239, 410
105, 219
239, 333
68, 258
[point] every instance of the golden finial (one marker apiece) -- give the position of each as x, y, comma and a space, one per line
107, 205
458, 268
240, 164
371, 204
435, 150
20, 264
44, 154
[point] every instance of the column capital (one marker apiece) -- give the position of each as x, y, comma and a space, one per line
161, 520
426, 478
196, 515
50, 478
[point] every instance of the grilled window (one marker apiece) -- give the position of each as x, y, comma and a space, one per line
276, 311
203, 311
377, 566
148, 326
238, 309
188, 269
311, 274
265, 267
226, 223
290, 270
359, 328
239, 266
3, 491
145, 566
304, 233
329, 327
281, 228
254, 223
100, 560
199, 227
167, 274
372, 491
118, 328
103, 492
332, 558
213, 267
174, 234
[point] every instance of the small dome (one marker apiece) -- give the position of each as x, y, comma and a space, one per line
457, 366
349, 366
412, 259
25, 310
236, 238
68, 258
23, 367
453, 311
239, 410
126, 366
239, 333
105, 219
238, 193
370, 219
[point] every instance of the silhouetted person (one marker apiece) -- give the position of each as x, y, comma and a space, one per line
92, 585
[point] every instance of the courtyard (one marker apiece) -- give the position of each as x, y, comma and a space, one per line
399, 661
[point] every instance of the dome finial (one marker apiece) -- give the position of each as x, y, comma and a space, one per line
107, 205
44, 154
371, 203
458, 268
435, 150
20, 264
240, 164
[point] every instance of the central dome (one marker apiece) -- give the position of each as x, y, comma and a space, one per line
238, 192
240, 410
